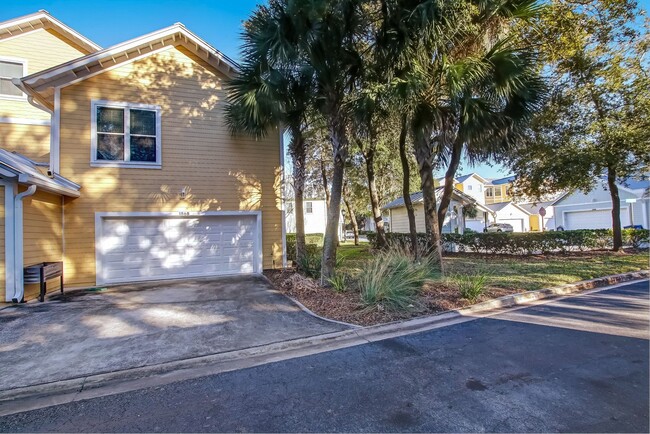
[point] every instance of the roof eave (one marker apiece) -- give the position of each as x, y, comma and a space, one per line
50, 22
80, 69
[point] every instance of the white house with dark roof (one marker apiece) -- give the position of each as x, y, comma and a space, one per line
593, 210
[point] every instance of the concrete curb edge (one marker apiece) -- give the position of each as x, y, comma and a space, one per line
239, 359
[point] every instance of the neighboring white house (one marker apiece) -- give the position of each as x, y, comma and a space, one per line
473, 185
511, 213
577, 210
315, 212
454, 221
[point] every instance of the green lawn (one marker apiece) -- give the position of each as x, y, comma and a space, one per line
524, 273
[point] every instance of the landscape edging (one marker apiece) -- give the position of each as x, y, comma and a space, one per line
304, 346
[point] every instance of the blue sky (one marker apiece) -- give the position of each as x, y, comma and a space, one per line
110, 22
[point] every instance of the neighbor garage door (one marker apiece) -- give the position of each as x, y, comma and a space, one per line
150, 248
597, 219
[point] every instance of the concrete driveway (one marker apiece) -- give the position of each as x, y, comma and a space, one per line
129, 326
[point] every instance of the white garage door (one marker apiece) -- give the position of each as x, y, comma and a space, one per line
600, 219
517, 224
149, 248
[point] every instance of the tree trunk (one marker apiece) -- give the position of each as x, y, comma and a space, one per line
369, 156
298, 155
616, 209
330, 243
353, 217
424, 157
323, 175
406, 190
448, 189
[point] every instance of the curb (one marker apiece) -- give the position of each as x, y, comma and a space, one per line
59, 392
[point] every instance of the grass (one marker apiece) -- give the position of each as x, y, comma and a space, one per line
519, 273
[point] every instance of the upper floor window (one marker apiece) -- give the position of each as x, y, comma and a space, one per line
488, 191
309, 207
497, 191
125, 134
10, 68
469, 188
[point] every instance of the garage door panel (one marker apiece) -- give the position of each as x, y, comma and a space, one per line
593, 219
157, 248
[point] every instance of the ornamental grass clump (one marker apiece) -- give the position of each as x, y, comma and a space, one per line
471, 286
393, 279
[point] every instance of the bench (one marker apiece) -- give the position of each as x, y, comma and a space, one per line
41, 273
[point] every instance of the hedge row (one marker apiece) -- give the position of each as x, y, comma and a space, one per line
527, 243
314, 243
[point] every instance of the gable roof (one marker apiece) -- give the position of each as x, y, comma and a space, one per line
463, 178
533, 208
43, 20
41, 85
639, 186
496, 207
29, 172
417, 197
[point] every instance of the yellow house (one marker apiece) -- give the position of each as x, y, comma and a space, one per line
144, 180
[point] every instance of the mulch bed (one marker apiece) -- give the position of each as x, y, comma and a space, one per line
346, 306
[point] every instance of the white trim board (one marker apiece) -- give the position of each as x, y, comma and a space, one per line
101, 216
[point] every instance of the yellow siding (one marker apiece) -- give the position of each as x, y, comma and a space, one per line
400, 222
41, 49
459, 186
43, 234
221, 173
32, 141
2, 244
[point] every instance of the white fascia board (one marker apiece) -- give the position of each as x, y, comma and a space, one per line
44, 15
126, 46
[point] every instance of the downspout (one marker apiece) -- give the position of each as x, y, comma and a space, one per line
19, 286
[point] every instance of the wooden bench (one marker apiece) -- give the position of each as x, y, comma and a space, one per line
41, 273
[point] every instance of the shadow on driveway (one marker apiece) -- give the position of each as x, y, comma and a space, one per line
91, 332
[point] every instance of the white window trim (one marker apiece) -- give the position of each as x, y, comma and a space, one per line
311, 206
25, 73
94, 162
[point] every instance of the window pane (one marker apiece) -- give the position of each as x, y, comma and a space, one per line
143, 149
143, 122
110, 120
110, 147
11, 69
8, 88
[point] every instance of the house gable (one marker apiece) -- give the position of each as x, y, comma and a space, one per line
204, 168
599, 195
38, 42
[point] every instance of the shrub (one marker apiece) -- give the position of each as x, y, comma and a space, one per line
471, 286
636, 237
291, 249
527, 243
393, 279
310, 265
339, 282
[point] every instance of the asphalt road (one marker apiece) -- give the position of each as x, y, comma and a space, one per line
573, 365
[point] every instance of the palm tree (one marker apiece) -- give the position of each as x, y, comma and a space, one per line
273, 88
491, 98
428, 41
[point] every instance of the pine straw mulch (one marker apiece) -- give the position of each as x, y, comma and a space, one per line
346, 306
